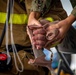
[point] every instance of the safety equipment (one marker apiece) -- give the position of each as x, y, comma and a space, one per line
49, 19
17, 18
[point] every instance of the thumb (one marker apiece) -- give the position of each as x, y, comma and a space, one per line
38, 23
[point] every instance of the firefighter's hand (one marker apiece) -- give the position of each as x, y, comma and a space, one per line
62, 27
39, 34
44, 37
39, 38
33, 19
34, 22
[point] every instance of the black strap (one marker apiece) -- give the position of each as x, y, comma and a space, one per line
7, 19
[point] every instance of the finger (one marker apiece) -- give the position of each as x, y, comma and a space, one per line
52, 43
51, 25
39, 42
52, 34
38, 23
39, 31
46, 26
56, 39
31, 61
43, 21
56, 42
39, 37
39, 47
34, 27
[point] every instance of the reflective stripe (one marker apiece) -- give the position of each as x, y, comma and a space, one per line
49, 19
16, 18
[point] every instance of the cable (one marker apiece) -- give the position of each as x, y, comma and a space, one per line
10, 4
14, 47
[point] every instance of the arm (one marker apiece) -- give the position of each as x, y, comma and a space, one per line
70, 19
35, 13
63, 27
65, 24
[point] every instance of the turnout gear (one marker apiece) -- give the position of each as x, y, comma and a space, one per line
19, 23
21, 38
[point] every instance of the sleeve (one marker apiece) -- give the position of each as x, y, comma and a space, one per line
37, 5
74, 11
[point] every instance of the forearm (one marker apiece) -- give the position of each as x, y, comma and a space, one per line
70, 19
35, 15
